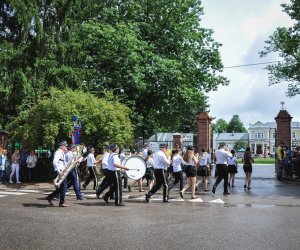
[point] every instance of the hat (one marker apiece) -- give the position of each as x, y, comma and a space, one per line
163, 145
107, 147
113, 147
63, 143
190, 148
71, 146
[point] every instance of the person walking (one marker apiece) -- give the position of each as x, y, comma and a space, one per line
248, 160
161, 162
91, 162
280, 154
59, 162
31, 163
191, 160
221, 154
232, 168
177, 162
149, 175
15, 167
203, 169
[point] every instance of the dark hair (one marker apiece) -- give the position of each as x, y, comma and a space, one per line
232, 151
248, 149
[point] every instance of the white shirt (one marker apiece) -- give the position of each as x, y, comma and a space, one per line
232, 160
90, 161
177, 161
204, 160
150, 163
31, 161
105, 160
69, 156
59, 160
112, 160
145, 153
160, 160
221, 156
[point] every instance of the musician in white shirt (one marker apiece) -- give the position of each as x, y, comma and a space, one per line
161, 163
59, 166
222, 155
90, 163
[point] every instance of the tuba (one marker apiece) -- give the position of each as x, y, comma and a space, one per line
79, 157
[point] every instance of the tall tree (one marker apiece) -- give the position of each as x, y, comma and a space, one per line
220, 126
236, 125
286, 42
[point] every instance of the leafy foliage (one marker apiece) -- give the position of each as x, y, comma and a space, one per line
286, 42
236, 125
220, 126
50, 120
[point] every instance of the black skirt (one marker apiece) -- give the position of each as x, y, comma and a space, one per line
247, 169
232, 169
190, 171
202, 171
149, 175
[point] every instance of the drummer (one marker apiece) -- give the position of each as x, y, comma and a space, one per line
115, 178
139, 181
161, 162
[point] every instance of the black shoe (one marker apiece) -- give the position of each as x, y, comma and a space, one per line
80, 198
233, 185
181, 194
83, 187
166, 201
249, 187
105, 199
97, 195
245, 186
226, 193
112, 197
122, 204
147, 197
214, 189
129, 189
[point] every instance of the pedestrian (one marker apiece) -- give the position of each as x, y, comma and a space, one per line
15, 166
104, 166
91, 162
296, 161
161, 162
177, 162
221, 154
203, 169
115, 178
191, 160
280, 154
248, 160
144, 152
2, 162
4, 166
149, 175
232, 168
72, 178
31, 163
23, 164
288, 162
59, 163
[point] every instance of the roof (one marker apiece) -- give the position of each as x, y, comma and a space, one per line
232, 137
271, 125
165, 137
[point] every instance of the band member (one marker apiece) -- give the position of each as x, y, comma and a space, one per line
104, 165
114, 167
161, 162
59, 165
232, 168
91, 161
72, 178
177, 161
203, 169
190, 170
149, 175
221, 166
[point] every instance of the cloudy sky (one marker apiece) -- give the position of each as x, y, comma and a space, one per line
242, 26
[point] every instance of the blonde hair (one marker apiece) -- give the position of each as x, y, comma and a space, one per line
188, 155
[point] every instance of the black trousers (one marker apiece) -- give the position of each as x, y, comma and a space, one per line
105, 182
178, 178
115, 179
160, 179
92, 176
222, 170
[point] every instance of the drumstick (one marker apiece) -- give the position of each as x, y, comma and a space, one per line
134, 169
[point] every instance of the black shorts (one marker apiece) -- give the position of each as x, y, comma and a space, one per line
247, 169
190, 171
149, 175
232, 169
202, 171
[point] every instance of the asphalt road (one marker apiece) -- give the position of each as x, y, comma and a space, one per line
267, 217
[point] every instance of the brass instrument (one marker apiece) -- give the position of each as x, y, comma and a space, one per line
80, 155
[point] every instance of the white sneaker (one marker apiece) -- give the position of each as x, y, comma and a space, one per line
11, 182
18, 182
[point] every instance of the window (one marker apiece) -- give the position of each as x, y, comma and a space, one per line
273, 135
293, 135
258, 135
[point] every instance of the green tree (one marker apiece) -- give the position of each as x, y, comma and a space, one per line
286, 43
236, 125
240, 145
220, 126
50, 119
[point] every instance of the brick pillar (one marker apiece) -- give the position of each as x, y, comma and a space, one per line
283, 120
204, 131
177, 139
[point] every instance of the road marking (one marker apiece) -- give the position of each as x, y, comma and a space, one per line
12, 193
218, 201
23, 190
177, 199
196, 200
3, 196
139, 198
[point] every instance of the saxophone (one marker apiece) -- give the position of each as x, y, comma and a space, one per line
80, 155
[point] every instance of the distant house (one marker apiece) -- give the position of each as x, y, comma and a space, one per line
230, 139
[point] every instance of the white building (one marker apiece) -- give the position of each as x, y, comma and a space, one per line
230, 139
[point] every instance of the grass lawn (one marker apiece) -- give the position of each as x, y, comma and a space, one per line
261, 161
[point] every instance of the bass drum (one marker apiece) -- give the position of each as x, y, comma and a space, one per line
137, 167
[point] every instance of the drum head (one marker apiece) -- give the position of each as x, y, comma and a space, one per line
137, 167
